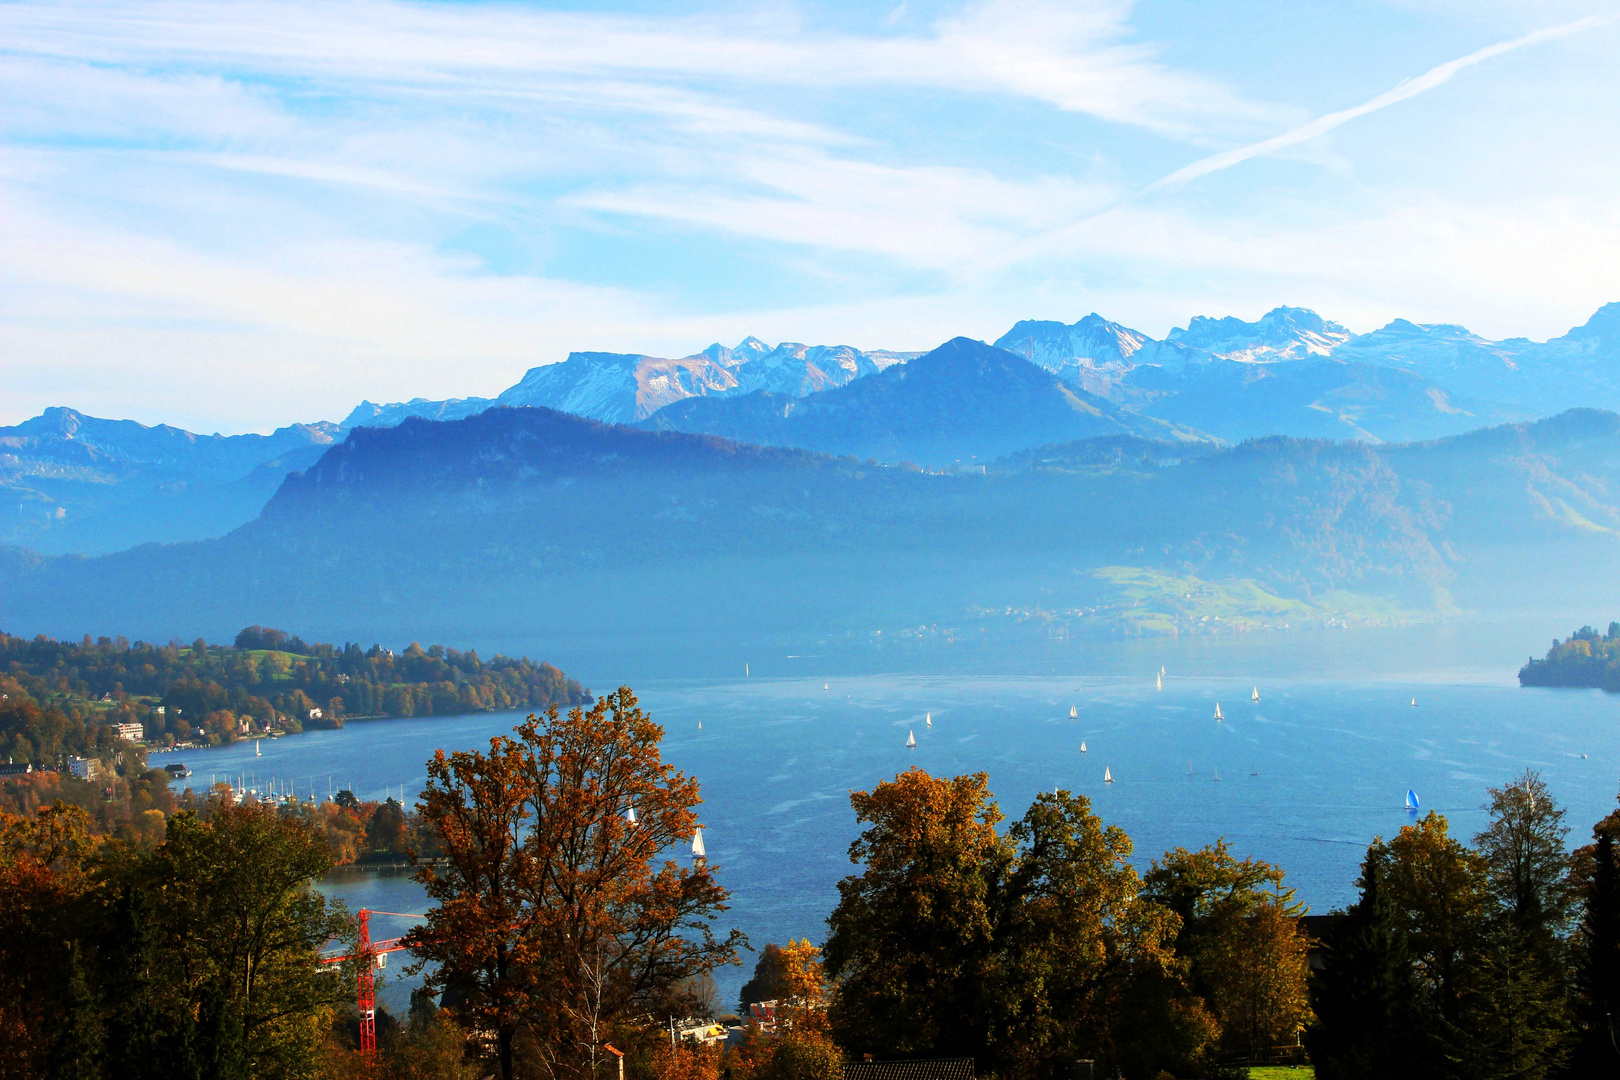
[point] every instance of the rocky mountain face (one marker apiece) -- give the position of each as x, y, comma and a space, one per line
71, 482
964, 401
622, 388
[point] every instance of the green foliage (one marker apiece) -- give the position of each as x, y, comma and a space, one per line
1585, 658
54, 690
1240, 936
1022, 951
196, 959
1365, 997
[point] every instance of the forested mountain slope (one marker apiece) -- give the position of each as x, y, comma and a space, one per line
568, 532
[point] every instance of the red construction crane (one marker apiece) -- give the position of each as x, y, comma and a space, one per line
369, 956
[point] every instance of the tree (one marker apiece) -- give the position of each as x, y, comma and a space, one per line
1527, 865
1241, 936
1514, 1024
767, 981
1076, 944
43, 881
912, 937
476, 935
1515, 1021
1365, 997
1439, 894
555, 916
1597, 954
242, 935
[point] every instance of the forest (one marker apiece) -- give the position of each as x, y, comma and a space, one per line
63, 698
560, 931
1585, 658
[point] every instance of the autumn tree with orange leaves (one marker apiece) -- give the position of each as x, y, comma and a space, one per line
556, 916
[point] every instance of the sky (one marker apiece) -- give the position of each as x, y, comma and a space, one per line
234, 216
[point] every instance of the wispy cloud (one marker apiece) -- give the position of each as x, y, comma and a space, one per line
265, 209
1403, 91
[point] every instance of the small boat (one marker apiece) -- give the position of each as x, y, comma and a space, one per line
826, 686
928, 719
1082, 746
1158, 681
1414, 703
698, 850
1411, 799
911, 740
745, 671
700, 725
256, 751
630, 815
1218, 715
1074, 713
1108, 776
1217, 776
1256, 695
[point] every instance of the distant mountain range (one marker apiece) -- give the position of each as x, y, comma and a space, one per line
579, 535
74, 483
964, 401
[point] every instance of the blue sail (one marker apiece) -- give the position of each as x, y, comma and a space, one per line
1411, 799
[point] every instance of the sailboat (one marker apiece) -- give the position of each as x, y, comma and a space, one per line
1218, 715
700, 725
911, 740
1217, 776
1189, 768
256, 751
1411, 799
928, 718
1158, 681
698, 850
826, 686
1108, 776
1082, 746
1256, 695
1074, 712
1414, 703
630, 815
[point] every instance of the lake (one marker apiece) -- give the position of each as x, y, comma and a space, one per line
1306, 777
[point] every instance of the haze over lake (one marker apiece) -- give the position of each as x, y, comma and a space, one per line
1307, 776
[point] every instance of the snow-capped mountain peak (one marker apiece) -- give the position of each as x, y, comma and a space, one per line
1283, 333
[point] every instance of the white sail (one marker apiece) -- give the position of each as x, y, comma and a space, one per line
1218, 715
1158, 681
928, 718
826, 686
1256, 695
700, 725
1074, 713
256, 751
698, 850
1217, 776
630, 815
1082, 746
1414, 703
1108, 775
911, 739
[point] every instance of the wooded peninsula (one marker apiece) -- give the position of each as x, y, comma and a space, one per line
60, 699
1585, 658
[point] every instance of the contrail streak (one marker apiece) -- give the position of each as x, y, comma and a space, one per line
1408, 88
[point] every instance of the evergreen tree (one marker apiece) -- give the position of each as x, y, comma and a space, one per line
76, 1049
1367, 1023
1515, 1024
1597, 961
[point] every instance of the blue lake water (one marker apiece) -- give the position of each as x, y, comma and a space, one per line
1307, 777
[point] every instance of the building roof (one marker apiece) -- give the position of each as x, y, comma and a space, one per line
921, 1069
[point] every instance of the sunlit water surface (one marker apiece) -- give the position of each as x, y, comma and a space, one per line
1304, 778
